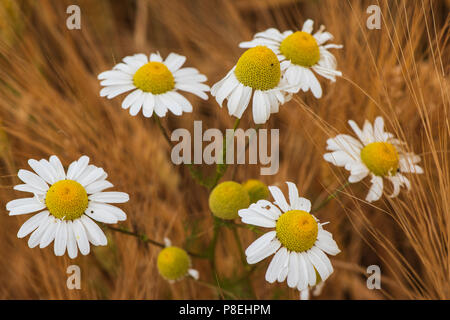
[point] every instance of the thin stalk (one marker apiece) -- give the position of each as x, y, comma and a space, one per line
162, 129
221, 169
335, 194
145, 239
217, 288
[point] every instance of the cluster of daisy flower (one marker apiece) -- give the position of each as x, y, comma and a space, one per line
275, 66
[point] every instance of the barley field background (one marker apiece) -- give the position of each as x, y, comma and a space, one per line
50, 104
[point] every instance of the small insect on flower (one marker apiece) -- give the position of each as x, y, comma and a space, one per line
68, 202
155, 84
376, 153
298, 241
300, 52
256, 73
174, 263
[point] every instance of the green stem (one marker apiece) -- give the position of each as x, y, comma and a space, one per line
144, 238
221, 168
245, 150
239, 244
212, 251
335, 194
162, 129
217, 288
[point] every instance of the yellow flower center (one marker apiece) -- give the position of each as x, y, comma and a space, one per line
154, 77
66, 199
301, 48
173, 263
381, 158
297, 230
258, 68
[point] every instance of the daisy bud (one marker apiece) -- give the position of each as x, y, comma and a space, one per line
256, 189
227, 199
173, 263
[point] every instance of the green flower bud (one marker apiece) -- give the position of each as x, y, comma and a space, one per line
227, 199
256, 189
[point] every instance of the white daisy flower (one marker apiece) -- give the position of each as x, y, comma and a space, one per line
377, 154
174, 263
299, 241
68, 204
155, 84
300, 52
257, 73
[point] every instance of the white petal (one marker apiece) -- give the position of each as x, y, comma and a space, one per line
131, 98
171, 104
304, 294
42, 171
72, 248
310, 269
50, 232
294, 270
280, 200
284, 266
186, 106
24, 206
110, 197
194, 274
160, 108
59, 169
303, 272
91, 177
174, 61
100, 213
98, 186
261, 111
260, 243
376, 190
338, 158
137, 104
252, 217
37, 234
113, 91
224, 88
356, 129
273, 246
308, 26
115, 211
32, 223
275, 265
156, 57
60, 244
81, 237
197, 89
33, 180
327, 244
235, 97
243, 103
325, 260
76, 169
314, 84
318, 264
149, 105
27, 188
94, 233
293, 194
